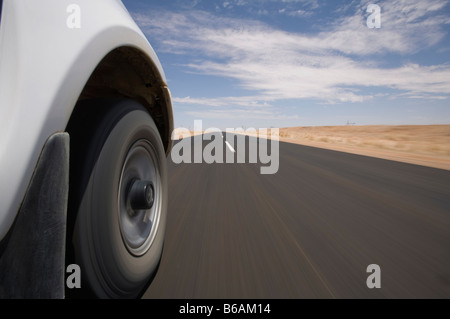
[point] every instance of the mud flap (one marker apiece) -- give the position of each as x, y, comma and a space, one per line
32, 264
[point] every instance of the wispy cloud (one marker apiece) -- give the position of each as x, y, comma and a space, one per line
244, 101
334, 65
241, 114
311, 4
296, 13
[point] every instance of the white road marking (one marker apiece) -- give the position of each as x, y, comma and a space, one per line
229, 146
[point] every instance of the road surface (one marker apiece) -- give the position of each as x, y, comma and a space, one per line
308, 231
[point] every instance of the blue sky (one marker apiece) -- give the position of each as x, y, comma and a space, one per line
281, 63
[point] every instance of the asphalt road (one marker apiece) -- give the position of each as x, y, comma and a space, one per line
308, 231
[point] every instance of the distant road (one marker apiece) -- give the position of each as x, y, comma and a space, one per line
309, 231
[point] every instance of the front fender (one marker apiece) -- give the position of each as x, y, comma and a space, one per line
44, 65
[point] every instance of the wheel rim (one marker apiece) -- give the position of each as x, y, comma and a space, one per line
138, 226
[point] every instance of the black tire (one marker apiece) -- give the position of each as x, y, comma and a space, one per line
117, 248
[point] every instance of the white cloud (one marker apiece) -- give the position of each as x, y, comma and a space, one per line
244, 101
312, 4
298, 13
234, 114
325, 66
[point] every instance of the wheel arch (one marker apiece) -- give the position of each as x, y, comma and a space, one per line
127, 72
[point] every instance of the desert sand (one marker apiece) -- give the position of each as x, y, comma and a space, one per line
183, 133
427, 145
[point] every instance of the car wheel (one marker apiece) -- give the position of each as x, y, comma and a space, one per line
119, 197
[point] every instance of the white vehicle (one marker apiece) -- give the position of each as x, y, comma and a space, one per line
85, 126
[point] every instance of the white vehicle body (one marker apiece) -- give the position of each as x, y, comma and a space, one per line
46, 64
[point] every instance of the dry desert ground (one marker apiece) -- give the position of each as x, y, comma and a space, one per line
427, 145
